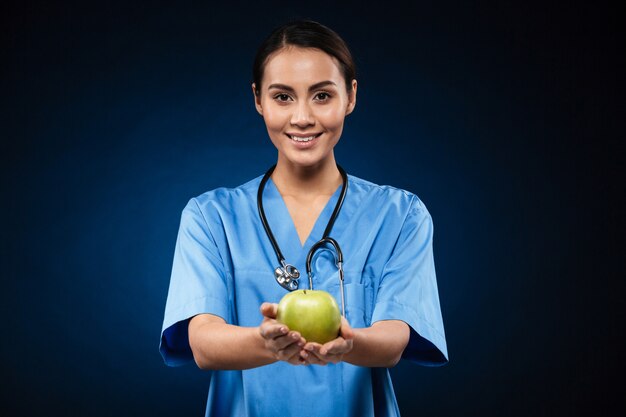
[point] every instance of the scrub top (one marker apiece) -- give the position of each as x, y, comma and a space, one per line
224, 265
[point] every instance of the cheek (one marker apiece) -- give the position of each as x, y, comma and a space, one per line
332, 117
273, 120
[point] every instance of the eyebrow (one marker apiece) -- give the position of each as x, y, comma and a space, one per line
311, 88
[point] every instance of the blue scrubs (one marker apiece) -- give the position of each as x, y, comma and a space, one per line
224, 263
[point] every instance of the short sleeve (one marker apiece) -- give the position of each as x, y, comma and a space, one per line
408, 289
198, 284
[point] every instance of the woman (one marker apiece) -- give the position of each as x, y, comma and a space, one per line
221, 307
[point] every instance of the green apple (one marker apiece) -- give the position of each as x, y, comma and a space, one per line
313, 313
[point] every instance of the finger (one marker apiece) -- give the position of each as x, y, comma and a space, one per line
312, 347
338, 346
315, 356
269, 310
311, 358
297, 360
291, 338
327, 357
291, 351
311, 350
273, 330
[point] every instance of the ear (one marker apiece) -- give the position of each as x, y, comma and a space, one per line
257, 99
351, 98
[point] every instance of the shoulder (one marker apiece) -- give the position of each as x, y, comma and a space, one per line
388, 197
216, 206
225, 198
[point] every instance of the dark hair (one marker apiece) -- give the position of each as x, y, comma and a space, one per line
304, 34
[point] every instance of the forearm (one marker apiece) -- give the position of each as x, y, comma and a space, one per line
380, 345
217, 345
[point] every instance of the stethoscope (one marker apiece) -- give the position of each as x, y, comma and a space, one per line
288, 275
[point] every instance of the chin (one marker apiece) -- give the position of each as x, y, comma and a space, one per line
306, 162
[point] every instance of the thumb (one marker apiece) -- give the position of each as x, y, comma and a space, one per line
346, 331
269, 310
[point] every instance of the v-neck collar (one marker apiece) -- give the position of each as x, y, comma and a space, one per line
285, 230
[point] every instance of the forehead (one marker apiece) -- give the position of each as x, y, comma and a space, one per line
301, 66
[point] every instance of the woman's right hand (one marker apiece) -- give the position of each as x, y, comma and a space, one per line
285, 345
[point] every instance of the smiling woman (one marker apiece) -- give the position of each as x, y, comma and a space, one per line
221, 308
304, 105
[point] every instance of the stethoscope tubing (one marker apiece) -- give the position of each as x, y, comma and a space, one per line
268, 230
290, 272
338, 260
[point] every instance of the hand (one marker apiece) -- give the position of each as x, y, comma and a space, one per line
330, 352
284, 345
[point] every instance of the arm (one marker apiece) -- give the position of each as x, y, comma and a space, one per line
218, 345
380, 345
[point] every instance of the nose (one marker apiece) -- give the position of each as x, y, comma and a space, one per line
302, 115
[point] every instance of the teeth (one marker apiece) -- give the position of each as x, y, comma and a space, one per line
299, 139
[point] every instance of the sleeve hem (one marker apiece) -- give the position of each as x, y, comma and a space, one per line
206, 304
174, 344
416, 350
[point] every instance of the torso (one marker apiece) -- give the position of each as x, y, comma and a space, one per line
233, 275
249, 261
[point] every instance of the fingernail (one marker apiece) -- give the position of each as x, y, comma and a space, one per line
283, 330
323, 351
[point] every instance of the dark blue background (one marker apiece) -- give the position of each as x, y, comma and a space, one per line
502, 116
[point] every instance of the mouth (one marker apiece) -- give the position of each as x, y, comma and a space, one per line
303, 138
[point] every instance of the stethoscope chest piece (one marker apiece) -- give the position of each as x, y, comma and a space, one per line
287, 276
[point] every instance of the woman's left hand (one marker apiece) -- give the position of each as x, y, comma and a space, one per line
330, 352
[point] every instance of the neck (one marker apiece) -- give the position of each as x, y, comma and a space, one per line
296, 180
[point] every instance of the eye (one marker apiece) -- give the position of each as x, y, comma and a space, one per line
282, 97
322, 96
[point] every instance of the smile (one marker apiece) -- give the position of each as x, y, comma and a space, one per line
303, 138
